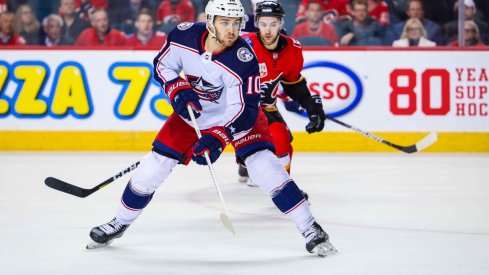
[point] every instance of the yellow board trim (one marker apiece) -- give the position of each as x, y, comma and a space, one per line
464, 142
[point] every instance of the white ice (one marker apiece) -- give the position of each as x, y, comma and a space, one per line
385, 213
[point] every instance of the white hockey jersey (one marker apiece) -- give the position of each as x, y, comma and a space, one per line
227, 82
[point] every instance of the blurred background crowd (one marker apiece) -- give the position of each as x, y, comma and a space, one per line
334, 23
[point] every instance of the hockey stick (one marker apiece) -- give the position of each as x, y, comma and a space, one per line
420, 145
224, 217
82, 192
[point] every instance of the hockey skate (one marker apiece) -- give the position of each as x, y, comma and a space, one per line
104, 234
317, 241
244, 177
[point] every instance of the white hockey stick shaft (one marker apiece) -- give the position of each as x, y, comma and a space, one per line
224, 217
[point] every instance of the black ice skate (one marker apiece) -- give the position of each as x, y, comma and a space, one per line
104, 234
317, 241
244, 177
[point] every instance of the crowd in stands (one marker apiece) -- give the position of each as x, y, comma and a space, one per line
146, 23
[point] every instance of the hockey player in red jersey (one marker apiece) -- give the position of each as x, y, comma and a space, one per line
209, 67
281, 61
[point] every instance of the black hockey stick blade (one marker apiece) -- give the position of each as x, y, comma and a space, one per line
82, 192
68, 188
420, 145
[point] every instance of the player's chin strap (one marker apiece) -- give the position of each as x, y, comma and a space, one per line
213, 33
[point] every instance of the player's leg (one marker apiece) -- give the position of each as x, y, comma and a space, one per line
155, 167
269, 174
281, 138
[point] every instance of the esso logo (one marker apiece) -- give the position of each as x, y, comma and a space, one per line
338, 86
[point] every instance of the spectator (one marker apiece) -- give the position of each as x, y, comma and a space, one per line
72, 25
314, 25
413, 35
145, 36
200, 17
7, 34
470, 13
52, 28
415, 10
472, 35
332, 10
3, 6
124, 12
363, 30
379, 10
83, 9
27, 25
100, 34
175, 12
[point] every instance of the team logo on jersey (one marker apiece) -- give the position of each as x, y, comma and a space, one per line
204, 89
244, 54
269, 90
185, 25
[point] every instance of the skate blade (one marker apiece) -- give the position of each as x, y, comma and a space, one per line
242, 179
325, 249
95, 245
250, 183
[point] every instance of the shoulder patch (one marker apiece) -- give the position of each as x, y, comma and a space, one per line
248, 40
185, 25
296, 43
244, 54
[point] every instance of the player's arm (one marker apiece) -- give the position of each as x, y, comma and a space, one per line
299, 92
242, 103
243, 97
167, 66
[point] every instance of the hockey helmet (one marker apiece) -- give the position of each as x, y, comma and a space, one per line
269, 8
227, 8
254, 3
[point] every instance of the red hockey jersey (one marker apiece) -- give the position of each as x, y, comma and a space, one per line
282, 65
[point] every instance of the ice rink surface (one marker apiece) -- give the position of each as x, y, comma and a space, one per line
385, 213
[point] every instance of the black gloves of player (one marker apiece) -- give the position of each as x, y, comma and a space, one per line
213, 142
181, 94
316, 115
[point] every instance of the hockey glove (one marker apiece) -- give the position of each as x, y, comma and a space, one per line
213, 143
181, 94
316, 115
293, 106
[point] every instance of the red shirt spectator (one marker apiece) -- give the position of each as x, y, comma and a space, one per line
13, 40
314, 25
325, 30
175, 12
89, 37
156, 40
329, 7
3, 5
100, 33
144, 35
380, 11
95, 3
7, 34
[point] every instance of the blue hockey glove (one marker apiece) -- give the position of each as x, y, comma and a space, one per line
316, 115
181, 94
293, 106
213, 143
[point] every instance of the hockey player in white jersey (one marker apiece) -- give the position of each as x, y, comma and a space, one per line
222, 83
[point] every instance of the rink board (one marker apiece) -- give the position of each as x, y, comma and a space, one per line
303, 142
107, 100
